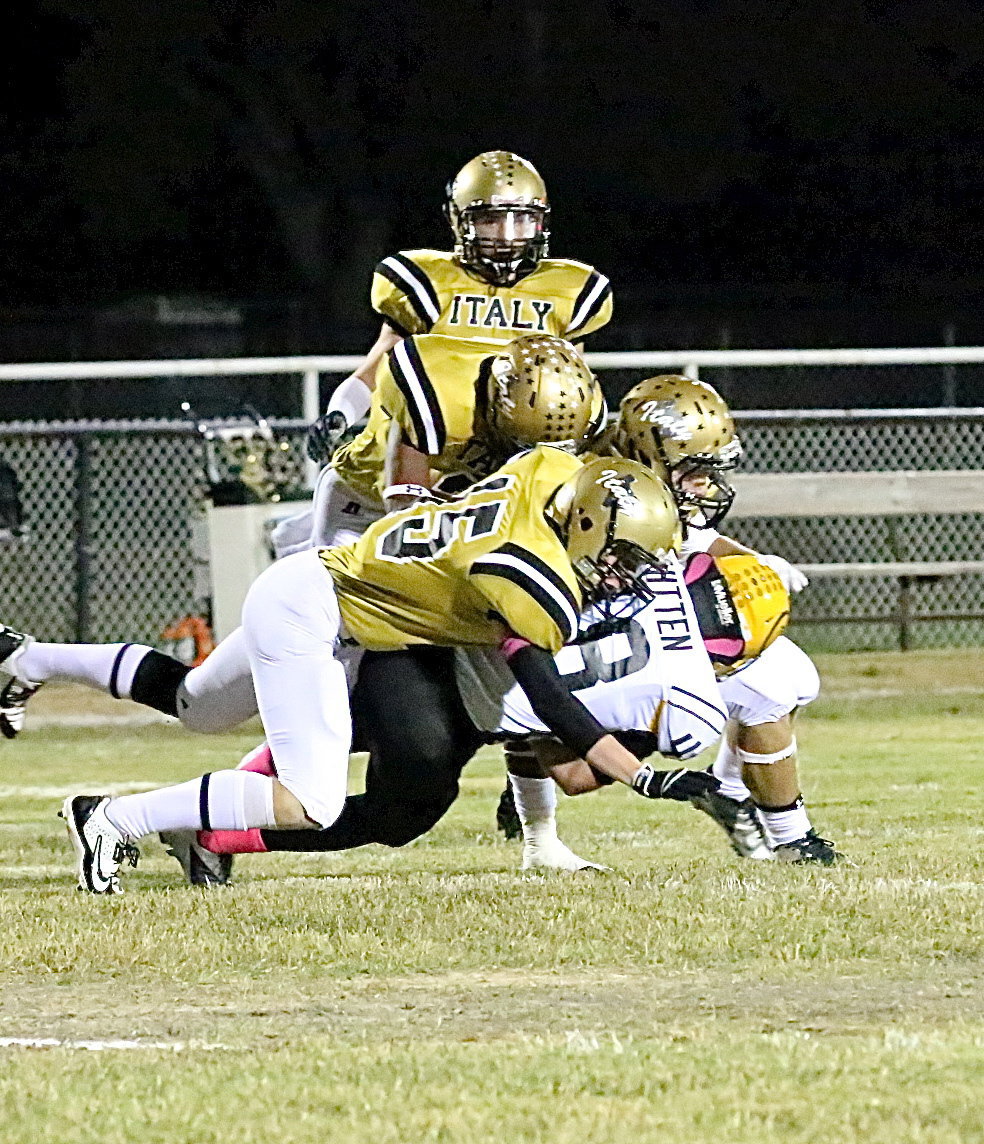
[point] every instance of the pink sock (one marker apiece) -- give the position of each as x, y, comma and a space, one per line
260, 760
233, 841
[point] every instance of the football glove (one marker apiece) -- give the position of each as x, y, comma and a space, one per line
324, 436
681, 785
793, 580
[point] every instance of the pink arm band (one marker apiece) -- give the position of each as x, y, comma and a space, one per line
512, 644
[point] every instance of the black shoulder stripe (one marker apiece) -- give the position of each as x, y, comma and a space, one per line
408, 277
395, 325
420, 396
593, 296
507, 569
545, 571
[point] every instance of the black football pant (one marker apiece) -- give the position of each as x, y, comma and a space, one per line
408, 714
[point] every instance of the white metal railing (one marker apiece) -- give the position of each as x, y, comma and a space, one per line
309, 368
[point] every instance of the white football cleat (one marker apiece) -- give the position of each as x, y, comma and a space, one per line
552, 854
100, 847
16, 690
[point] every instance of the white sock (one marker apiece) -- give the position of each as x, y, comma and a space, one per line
230, 800
536, 805
785, 825
107, 667
727, 769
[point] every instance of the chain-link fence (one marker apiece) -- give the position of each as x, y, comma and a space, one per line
112, 511
113, 515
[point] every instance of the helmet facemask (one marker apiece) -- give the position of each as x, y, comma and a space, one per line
702, 490
614, 584
502, 243
618, 521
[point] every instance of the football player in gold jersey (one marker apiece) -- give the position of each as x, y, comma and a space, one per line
446, 412
449, 411
509, 564
498, 282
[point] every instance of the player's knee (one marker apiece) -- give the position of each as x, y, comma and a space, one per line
205, 714
314, 804
765, 758
422, 761
402, 823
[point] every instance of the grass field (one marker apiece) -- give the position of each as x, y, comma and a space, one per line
435, 994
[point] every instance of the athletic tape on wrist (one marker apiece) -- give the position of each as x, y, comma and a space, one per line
764, 760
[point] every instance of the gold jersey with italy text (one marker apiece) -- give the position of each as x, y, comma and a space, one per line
431, 292
465, 573
427, 395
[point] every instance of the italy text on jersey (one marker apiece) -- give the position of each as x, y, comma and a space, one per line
429, 291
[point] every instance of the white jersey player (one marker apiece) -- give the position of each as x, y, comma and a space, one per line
653, 676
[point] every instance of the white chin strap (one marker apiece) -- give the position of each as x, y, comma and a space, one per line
765, 760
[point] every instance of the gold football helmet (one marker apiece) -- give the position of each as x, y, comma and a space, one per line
742, 606
682, 429
540, 391
616, 519
498, 210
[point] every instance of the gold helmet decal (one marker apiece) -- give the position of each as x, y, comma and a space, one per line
498, 210
540, 390
617, 519
683, 430
742, 606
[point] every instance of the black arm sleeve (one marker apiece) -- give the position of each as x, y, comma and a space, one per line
552, 702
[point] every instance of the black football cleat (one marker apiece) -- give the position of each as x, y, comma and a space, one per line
740, 821
811, 848
201, 867
506, 816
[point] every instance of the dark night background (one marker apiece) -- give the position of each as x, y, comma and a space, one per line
755, 174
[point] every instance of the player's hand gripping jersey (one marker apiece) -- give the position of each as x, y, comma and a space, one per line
466, 572
425, 392
652, 676
430, 291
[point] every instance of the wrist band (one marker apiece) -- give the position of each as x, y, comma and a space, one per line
418, 492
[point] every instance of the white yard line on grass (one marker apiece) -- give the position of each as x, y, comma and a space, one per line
101, 1046
66, 789
895, 884
840, 692
124, 719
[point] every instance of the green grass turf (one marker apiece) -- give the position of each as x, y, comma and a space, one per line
434, 993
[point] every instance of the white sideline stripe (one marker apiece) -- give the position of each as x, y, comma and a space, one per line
124, 719
926, 884
100, 1046
893, 692
66, 789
